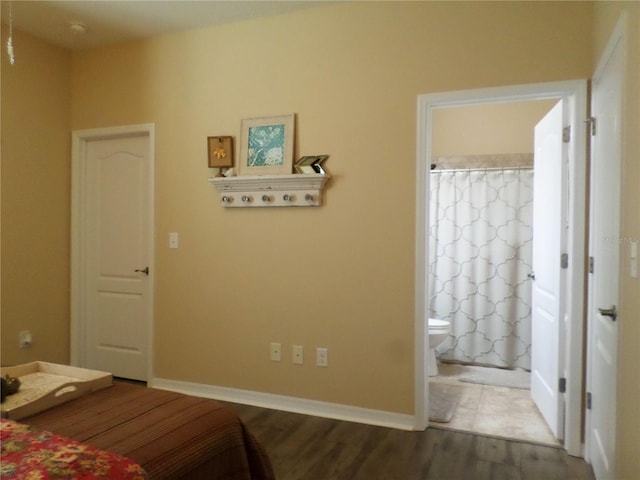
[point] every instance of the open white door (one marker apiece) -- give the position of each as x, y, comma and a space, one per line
604, 251
113, 251
547, 309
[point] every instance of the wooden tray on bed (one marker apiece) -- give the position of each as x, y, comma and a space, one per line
44, 385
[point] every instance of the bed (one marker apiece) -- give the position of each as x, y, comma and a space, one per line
169, 435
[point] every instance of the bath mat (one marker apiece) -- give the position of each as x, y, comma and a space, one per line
443, 401
498, 377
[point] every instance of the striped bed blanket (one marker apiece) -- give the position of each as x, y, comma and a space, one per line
169, 435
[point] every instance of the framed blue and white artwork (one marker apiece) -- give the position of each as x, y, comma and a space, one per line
266, 145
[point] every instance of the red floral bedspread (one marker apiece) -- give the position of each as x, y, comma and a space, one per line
32, 454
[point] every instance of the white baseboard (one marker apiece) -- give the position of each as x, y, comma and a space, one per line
315, 408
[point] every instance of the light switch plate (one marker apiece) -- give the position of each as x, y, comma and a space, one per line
322, 357
173, 240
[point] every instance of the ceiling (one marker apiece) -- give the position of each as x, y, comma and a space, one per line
114, 21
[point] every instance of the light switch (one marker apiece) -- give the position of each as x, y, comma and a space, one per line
173, 240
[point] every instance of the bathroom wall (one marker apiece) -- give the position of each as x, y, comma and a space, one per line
487, 129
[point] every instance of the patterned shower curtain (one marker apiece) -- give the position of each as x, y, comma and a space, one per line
480, 244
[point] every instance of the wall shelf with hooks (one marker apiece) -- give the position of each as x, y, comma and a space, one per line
295, 190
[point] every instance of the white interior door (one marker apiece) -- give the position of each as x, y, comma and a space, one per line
605, 250
547, 309
115, 238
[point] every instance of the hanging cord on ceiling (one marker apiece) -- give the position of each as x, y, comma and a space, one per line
12, 57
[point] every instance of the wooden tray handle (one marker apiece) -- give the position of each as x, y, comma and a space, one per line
67, 391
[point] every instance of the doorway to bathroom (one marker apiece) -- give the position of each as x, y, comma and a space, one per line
479, 277
481, 239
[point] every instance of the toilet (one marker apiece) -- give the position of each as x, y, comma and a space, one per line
439, 330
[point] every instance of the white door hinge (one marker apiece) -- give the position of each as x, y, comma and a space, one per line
591, 122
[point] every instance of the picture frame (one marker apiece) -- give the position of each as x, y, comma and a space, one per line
311, 164
266, 145
220, 151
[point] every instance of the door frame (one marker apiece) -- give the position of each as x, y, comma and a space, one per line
575, 91
79, 142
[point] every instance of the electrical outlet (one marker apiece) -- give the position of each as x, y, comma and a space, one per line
322, 357
276, 352
298, 354
25, 339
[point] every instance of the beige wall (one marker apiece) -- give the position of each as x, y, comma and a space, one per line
340, 276
487, 129
628, 431
36, 106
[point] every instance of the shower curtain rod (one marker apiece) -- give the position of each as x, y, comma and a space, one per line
481, 169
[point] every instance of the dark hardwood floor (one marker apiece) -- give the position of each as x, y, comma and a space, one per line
310, 448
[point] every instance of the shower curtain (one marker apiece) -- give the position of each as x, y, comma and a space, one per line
480, 244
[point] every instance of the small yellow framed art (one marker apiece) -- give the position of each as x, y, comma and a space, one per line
220, 152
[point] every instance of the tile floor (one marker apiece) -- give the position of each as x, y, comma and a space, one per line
495, 411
